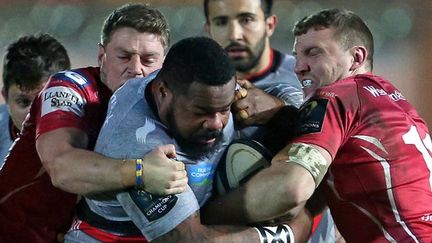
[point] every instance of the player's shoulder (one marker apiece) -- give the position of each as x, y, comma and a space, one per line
346, 86
366, 78
81, 77
4, 114
374, 85
131, 97
3, 109
344, 91
288, 58
135, 86
285, 70
287, 61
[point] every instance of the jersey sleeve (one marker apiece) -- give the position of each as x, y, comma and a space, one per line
326, 119
62, 103
154, 215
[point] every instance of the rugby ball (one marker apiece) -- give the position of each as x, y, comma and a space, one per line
242, 159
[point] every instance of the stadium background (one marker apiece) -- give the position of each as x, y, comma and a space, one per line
402, 30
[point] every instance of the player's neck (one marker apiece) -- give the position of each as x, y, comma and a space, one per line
360, 70
263, 65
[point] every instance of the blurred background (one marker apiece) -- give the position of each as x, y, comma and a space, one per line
402, 31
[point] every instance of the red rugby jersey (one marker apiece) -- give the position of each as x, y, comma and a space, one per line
31, 208
379, 183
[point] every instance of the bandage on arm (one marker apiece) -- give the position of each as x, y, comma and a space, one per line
313, 158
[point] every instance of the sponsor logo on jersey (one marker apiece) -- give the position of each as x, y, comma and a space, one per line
312, 115
200, 174
153, 207
376, 92
62, 98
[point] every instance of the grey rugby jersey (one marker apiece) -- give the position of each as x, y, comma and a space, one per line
131, 130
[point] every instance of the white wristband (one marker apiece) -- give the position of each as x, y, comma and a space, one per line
280, 233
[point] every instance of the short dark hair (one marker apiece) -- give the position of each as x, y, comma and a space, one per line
351, 30
196, 59
266, 6
31, 59
140, 17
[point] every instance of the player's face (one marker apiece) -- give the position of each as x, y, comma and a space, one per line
129, 54
320, 58
18, 102
241, 28
198, 118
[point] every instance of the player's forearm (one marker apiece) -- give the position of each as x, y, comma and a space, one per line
191, 230
276, 191
222, 234
301, 225
273, 192
72, 167
85, 172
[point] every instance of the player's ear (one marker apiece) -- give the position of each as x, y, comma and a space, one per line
359, 57
271, 23
207, 28
101, 53
160, 89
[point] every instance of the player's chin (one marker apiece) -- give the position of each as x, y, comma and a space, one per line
198, 148
240, 60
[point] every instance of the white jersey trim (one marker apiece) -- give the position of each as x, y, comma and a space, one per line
387, 174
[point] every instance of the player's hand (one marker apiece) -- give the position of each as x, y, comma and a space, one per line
253, 106
162, 174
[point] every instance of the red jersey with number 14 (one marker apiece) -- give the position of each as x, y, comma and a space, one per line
31, 208
379, 185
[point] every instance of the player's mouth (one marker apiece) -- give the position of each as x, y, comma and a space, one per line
207, 141
237, 51
208, 138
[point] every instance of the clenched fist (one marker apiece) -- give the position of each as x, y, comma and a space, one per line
162, 174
